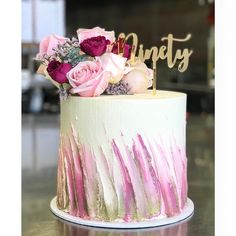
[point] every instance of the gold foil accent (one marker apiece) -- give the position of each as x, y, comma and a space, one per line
59, 188
70, 161
154, 90
173, 183
65, 194
62, 192
72, 165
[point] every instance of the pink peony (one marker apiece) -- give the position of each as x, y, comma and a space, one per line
88, 79
139, 79
95, 46
58, 71
48, 43
94, 32
115, 64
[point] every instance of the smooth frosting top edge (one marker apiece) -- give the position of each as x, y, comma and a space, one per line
160, 94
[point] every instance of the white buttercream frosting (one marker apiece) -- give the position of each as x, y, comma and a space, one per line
102, 118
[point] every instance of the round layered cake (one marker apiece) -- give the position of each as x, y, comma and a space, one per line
122, 157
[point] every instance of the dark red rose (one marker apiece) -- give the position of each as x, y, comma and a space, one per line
58, 70
126, 50
95, 46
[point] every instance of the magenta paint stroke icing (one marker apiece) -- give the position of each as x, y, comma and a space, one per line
142, 181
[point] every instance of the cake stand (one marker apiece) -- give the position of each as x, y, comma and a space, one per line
186, 213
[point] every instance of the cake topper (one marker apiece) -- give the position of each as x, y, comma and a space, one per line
164, 52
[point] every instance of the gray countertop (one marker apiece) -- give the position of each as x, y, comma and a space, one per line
40, 136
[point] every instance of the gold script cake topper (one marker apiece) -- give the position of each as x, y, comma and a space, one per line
164, 52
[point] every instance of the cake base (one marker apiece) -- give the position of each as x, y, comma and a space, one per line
186, 212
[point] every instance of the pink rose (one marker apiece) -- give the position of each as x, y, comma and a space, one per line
48, 43
94, 32
58, 71
115, 64
88, 79
139, 79
95, 46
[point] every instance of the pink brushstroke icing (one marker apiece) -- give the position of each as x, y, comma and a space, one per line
153, 174
128, 190
144, 180
90, 181
107, 184
70, 184
179, 166
149, 183
138, 188
78, 180
170, 199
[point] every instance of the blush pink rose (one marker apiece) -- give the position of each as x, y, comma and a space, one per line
88, 79
115, 64
94, 32
139, 79
48, 43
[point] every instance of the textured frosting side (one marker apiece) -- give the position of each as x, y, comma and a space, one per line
123, 157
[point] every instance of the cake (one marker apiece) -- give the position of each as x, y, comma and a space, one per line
123, 157
122, 145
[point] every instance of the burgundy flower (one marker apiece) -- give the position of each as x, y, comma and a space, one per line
95, 46
126, 49
58, 70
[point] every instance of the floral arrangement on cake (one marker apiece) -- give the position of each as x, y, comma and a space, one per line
92, 64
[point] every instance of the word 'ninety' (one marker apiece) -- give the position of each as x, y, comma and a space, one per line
164, 52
